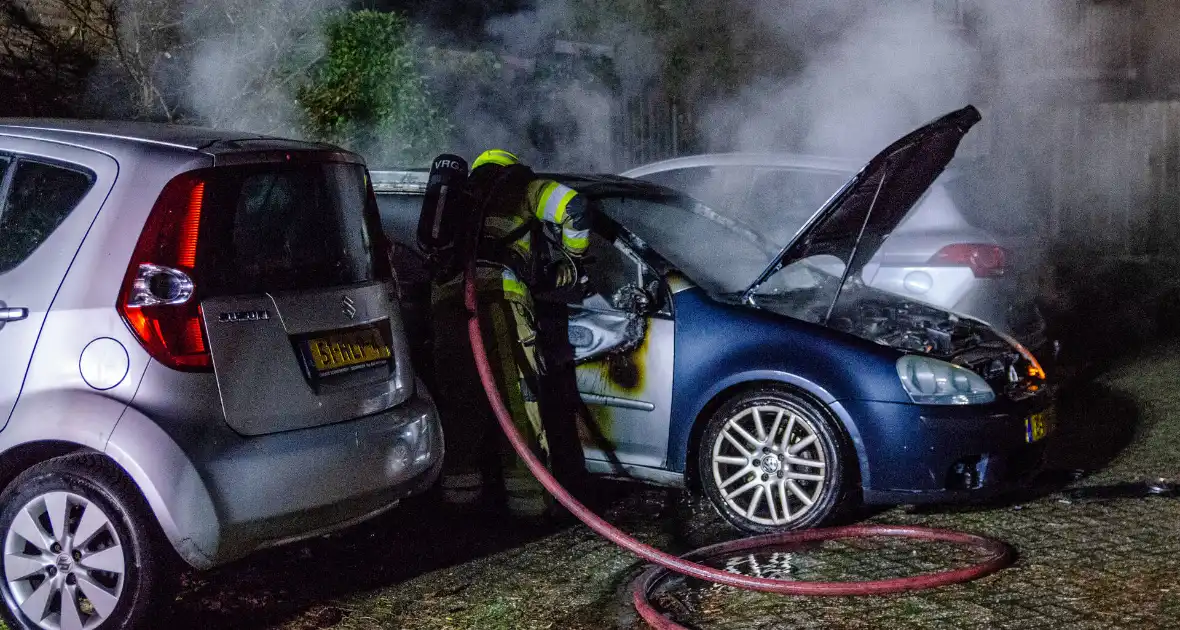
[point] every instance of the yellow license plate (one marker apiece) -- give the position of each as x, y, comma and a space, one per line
348, 351
1039, 425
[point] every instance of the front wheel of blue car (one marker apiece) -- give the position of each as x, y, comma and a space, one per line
770, 460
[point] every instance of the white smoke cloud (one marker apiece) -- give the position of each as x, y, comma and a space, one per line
871, 71
866, 71
246, 58
581, 114
873, 81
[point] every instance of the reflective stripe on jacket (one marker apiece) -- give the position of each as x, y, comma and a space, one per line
561, 206
491, 279
547, 201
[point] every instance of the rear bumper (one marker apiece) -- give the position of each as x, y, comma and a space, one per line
924, 454
274, 489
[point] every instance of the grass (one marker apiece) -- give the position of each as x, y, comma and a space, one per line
1152, 383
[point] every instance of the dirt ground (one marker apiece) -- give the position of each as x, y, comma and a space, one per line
1096, 549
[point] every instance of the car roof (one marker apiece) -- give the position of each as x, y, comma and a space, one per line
121, 136
412, 181
783, 160
753, 160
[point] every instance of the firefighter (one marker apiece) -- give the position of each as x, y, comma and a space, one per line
534, 234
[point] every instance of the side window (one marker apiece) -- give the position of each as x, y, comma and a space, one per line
37, 198
783, 200
715, 186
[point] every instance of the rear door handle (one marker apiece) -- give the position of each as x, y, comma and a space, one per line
13, 314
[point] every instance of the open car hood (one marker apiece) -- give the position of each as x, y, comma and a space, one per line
876, 200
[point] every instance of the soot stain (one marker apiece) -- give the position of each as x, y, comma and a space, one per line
623, 371
628, 371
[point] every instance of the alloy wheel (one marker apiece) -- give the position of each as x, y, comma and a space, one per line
63, 562
768, 464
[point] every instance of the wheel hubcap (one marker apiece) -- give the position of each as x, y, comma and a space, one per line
63, 562
769, 465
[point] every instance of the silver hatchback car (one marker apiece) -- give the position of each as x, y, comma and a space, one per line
203, 353
936, 255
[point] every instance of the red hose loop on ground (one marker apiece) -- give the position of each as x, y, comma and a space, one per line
1001, 553
999, 556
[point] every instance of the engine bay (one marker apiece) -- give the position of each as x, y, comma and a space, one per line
909, 326
913, 327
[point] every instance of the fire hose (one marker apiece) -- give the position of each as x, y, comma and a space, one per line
999, 555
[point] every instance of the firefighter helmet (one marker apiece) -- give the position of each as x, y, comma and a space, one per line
498, 157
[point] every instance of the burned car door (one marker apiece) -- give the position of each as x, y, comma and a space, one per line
623, 336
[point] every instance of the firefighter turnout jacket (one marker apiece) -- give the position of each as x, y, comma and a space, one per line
527, 221
516, 202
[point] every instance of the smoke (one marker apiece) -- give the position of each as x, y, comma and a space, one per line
857, 89
806, 76
564, 122
247, 57
870, 71
836, 79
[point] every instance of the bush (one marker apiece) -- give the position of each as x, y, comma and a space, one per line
369, 94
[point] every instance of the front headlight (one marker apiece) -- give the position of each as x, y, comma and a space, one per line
933, 382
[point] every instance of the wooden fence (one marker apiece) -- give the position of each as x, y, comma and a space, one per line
1115, 173
650, 128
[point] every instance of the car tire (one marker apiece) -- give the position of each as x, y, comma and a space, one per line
105, 555
749, 476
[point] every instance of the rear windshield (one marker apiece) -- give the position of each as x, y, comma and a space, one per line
274, 228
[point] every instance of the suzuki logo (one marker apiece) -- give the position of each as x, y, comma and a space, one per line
349, 307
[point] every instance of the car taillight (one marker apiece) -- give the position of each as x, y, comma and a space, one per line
985, 261
383, 266
158, 296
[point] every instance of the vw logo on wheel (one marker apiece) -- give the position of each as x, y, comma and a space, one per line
349, 307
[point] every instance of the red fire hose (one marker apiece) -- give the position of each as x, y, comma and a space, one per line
1000, 555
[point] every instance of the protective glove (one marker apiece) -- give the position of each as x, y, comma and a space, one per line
565, 274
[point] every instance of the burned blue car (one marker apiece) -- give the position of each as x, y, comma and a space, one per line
776, 381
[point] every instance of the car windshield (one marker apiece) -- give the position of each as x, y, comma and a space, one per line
774, 201
720, 258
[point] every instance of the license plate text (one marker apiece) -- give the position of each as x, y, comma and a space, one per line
354, 350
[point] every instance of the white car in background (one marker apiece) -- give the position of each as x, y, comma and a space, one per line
935, 256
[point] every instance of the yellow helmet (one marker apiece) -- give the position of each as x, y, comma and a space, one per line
498, 157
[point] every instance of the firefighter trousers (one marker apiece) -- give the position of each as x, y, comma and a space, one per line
477, 452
